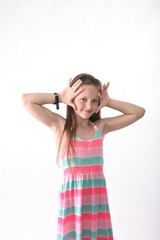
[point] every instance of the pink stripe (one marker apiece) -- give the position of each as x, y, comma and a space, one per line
98, 238
83, 200
85, 191
85, 144
76, 225
83, 169
74, 221
84, 218
88, 144
84, 152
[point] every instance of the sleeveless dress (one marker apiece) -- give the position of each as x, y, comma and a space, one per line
83, 212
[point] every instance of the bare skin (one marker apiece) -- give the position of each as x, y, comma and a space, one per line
84, 100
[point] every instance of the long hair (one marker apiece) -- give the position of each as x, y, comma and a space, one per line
71, 120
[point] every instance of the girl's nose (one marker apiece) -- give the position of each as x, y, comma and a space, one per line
89, 105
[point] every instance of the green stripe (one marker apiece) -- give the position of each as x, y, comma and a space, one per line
83, 209
87, 233
98, 134
85, 161
84, 183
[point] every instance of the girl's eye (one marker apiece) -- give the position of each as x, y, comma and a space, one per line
95, 100
83, 99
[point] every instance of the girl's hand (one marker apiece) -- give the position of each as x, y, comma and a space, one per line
69, 93
104, 97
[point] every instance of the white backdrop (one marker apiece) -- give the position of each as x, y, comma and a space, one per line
42, 44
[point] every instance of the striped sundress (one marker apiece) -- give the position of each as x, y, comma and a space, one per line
83, 212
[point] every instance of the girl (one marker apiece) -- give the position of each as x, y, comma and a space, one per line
83, 212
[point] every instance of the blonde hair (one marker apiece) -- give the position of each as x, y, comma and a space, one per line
71, 120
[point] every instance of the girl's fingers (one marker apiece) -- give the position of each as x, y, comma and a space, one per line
105, 87
108, 84
78, 92
69, 83
77, 84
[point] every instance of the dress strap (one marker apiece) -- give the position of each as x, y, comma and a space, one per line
93, 125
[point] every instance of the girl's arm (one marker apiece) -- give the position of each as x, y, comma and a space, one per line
131, 112
33, 104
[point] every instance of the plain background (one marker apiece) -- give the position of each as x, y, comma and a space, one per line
44, 43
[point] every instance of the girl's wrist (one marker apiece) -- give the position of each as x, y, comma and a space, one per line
60, 97
108, 102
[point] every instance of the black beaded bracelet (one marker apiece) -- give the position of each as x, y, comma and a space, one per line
56, 100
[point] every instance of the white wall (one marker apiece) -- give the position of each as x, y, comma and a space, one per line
42, 44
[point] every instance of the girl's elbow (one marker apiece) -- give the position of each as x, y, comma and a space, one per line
23, 99
142, 112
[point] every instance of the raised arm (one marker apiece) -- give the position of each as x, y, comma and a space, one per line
33, 104
131, 112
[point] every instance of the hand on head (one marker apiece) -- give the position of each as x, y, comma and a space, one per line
104, 97
69, 93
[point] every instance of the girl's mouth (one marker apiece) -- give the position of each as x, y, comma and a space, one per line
87, 111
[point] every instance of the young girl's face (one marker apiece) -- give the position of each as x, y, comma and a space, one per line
87, 101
